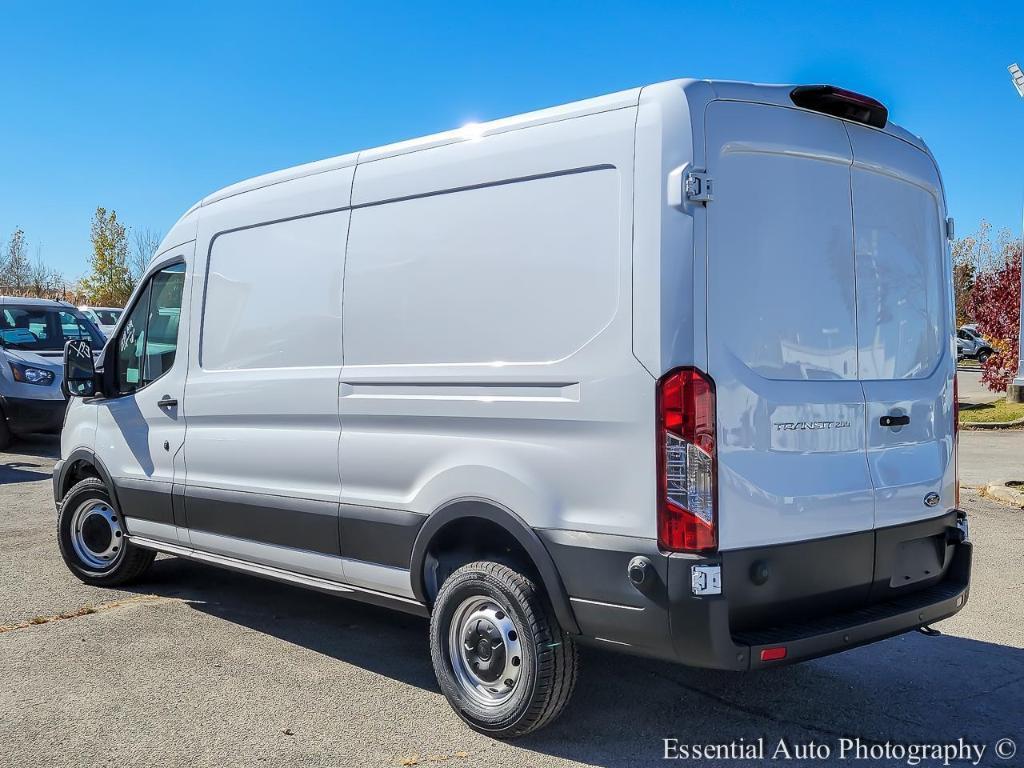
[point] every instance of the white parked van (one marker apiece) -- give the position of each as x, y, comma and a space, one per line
670, 371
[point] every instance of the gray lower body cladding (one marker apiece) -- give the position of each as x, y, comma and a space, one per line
379, 536
813, 598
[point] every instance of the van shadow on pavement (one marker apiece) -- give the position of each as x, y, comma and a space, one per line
13, 465
41, 446
909, 689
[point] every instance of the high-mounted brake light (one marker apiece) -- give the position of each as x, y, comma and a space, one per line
841, 103
687, 496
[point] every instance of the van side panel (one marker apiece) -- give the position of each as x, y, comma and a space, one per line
487, 332
262, 446
484, 255
669, 285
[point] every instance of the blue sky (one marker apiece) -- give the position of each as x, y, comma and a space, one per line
145, 110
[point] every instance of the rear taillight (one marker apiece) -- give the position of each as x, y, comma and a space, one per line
841, 103
687, 495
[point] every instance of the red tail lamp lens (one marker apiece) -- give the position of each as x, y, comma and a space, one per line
687, 498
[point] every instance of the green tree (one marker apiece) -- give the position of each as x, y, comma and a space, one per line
110, 281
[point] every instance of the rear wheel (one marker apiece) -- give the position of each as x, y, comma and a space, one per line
92, 538
502, 660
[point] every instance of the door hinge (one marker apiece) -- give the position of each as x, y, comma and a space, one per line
699, 187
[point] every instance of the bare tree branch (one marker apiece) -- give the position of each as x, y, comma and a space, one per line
144, 245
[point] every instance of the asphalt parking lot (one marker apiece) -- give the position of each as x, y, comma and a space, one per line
202, 667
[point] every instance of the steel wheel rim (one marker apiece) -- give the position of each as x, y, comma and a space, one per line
96, 535
486, 651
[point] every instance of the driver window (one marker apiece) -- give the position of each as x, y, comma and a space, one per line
148, 341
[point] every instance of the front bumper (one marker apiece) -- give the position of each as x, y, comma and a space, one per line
819, 597
29, 415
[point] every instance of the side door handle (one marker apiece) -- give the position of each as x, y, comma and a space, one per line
167, 402
894, 421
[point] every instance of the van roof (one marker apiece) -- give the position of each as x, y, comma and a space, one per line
722, 89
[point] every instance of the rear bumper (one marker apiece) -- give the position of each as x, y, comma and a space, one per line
26, 415
815, 602
839, 632
722, 647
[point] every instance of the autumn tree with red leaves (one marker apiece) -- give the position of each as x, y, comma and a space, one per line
994, 305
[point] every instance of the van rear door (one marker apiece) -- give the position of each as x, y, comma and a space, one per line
904, 312
782, 329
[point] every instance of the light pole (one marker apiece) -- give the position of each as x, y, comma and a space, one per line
1015, 392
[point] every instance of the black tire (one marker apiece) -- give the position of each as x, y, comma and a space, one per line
125, 566
548, 654
984, 355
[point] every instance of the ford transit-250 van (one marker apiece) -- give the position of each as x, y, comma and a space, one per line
670, 371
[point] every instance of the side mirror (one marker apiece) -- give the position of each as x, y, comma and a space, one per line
79, 369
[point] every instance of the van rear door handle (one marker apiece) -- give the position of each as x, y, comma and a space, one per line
894, 421
167, 402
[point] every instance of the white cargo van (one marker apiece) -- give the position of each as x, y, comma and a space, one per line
670, 371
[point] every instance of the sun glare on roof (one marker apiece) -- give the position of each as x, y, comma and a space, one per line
472, 131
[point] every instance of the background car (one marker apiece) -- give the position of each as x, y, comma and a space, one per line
104, 318
32, 337
971, 344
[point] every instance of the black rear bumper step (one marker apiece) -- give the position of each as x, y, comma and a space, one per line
848, 629
849, 619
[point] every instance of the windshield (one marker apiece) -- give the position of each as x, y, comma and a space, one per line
105, 316
102, 316
44, 329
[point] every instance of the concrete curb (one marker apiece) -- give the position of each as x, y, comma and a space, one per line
1005, 493
969, 405
992, 424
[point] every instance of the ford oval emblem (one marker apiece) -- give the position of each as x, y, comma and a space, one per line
931, 499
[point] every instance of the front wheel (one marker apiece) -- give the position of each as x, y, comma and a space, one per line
92, 538
984, 355
502, 660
